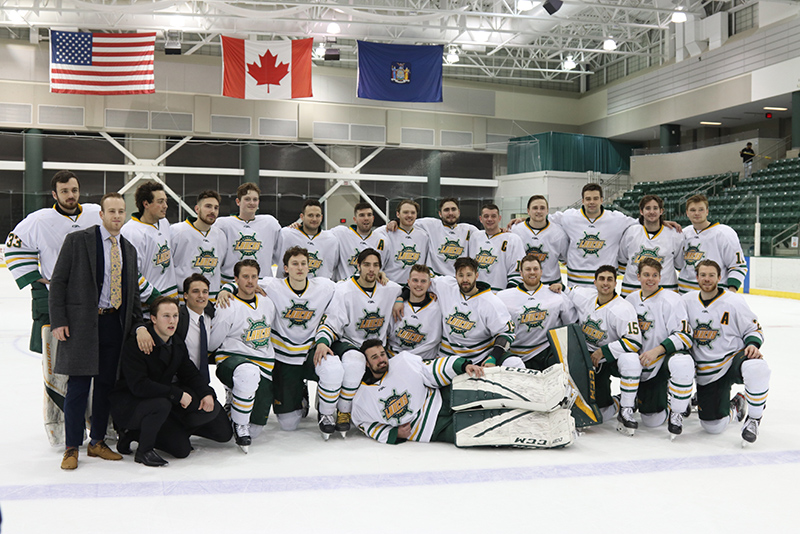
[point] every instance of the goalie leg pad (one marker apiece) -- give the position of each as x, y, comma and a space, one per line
569, 346
511, 387
55, 389
514, 428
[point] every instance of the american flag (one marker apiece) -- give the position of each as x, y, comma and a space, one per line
85, 63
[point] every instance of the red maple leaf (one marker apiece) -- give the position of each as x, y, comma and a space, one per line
268, 72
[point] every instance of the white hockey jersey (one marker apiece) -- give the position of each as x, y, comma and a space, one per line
244, 329
407, 393
666, 246
198, 252
418, 331
32, 247
153, 244
259, 239
323, 251
720, 328
447, 243
498, 258
470, 324
718, 242
534, 313
662, 321
402, 250
350, 246
612, 327
592, 243
296, 316
549, 244
355, 315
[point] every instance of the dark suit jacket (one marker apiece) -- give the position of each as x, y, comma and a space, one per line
74, 294
148, 376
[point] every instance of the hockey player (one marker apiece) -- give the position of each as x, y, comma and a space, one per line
300, 303
497, 252
726, 349
323, 249
475, 323
650, 239
535, 310
704, 240
249, 235
355, 238
419, 326
407, 246
360, 310
545, 240
199, 245
667, 369
400, 399
611, 329
149, 232
33, 246
448, 237
245, 357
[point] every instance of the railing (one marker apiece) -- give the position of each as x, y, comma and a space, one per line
709, 188
697, 144
784, 236
771, 153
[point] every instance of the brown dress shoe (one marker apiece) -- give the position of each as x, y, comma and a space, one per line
101, 450
70, 460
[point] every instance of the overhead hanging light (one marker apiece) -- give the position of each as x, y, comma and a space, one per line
679, 16
320, 51
609, 44
452, 56
569, 63
524, 5
334, 28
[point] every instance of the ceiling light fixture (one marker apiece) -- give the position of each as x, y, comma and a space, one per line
770, 108
524, 5
320, 51
452, 56
569, 63
709, 123
334, 28
679, 17
609, 44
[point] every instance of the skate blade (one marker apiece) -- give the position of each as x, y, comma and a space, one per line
244, 448
624, 430
672, 437
343, 434
326, 437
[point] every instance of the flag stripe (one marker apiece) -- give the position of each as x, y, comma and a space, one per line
301, 67
233, 72
102, 63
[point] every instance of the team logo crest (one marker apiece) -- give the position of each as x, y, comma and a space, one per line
401, 72
353, 261
408, 256
257, 333
206, 261
314, 263
163, 256
591, 244
460, 323
693, 255
645, 325
451, 250
533, 317
247, 245
537, 251
593, 330
298, 314
396, 405
371, 323
647, 253
485, 259
410, 335
704, 334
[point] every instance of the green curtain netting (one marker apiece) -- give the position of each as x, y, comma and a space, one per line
559, 151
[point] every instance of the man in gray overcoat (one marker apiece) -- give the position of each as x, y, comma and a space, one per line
94, 307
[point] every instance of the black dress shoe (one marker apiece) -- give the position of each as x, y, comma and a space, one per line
124, 442
150, 458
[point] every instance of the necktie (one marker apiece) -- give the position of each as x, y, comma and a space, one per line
116, 274
203, 349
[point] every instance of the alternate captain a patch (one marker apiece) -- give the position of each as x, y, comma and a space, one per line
460, 323
206, 261
533, 317
451, 250
704, 334
163, 256
593, 330
298, 314
247, 245
591, 244
396, 405
371, 323
257, 333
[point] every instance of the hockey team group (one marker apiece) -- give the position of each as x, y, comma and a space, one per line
425, 329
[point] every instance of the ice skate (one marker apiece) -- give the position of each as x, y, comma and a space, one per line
343, 423
241, 434
675, 424
738, 408
625, 422
750, 430
327, 425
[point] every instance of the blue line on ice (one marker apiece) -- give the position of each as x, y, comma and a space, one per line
388, 480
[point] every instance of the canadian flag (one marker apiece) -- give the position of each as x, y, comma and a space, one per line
266, 69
